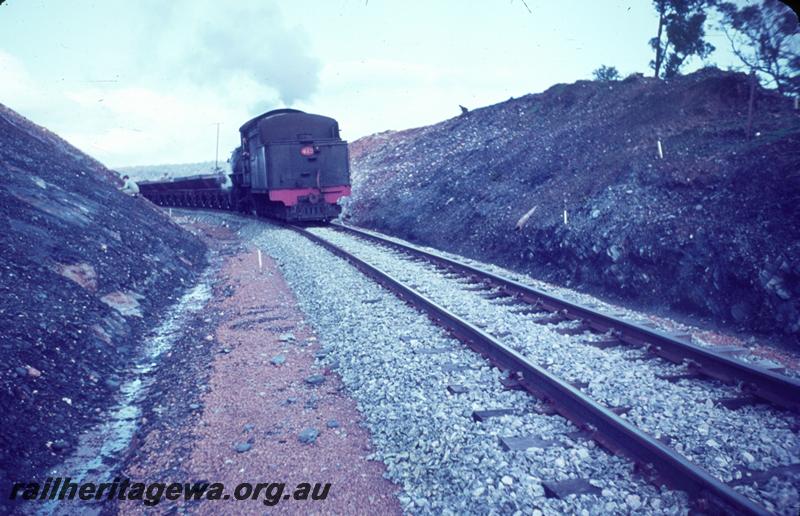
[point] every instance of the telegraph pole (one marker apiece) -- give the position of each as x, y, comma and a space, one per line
216, 156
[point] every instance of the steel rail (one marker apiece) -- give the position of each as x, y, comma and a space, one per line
772, 387
656, 460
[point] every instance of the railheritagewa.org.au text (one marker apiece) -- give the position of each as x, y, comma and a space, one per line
153, 493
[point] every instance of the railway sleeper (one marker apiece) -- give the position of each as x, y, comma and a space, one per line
525, 310
762, 477
652, 352
555, 318
709, 371
522, 443
749, 390
431, 351
483, 415
500, 293
620, 411
580, 329
736, 403
511, 384
474, 287
561, 489
674, 378
510, 300
455, 368
667, 354
608, 342
578, 384
457, 389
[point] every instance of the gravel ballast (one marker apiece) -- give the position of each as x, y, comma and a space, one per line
727, 443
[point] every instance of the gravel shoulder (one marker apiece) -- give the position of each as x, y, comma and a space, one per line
238, 394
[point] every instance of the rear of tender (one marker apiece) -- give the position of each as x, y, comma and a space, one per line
295, 165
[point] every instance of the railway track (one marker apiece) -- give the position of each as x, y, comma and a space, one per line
606, 425
757, 382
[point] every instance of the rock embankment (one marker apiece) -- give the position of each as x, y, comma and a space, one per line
569, 185
84, 270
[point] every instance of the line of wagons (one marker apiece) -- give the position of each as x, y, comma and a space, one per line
290, 165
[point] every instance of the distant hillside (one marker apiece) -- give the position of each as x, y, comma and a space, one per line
712, 228
149, 172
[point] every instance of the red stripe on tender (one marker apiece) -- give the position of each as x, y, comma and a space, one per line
289, 197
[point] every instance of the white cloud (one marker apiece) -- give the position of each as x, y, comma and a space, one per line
138, 124
18, 89
145, 126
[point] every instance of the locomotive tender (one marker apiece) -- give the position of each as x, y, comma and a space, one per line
290, 165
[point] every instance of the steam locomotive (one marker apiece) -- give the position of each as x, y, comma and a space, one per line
291, 165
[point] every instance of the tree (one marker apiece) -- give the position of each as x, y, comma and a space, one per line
681, 34
606, 73
765, 37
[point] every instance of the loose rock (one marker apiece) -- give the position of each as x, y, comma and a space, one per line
315, 379
308, 436
242, 447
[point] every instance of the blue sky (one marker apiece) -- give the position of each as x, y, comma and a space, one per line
144, 81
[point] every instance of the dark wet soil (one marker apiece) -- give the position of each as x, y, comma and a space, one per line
85, 272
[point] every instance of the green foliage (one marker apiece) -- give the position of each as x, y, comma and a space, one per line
606, 73
681, 34
766, 38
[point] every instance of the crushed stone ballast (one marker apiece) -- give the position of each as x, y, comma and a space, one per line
600, 423
759, 381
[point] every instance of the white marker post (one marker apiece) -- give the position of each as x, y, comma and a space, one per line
660, 150
259, 259
170, 213
565, 216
